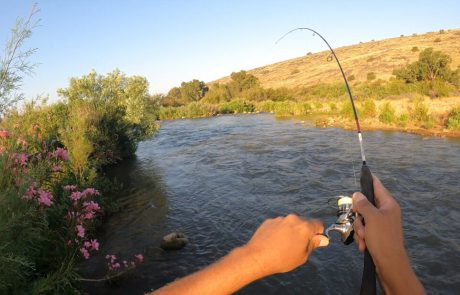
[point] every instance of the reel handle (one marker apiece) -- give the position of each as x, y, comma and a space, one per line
368, 284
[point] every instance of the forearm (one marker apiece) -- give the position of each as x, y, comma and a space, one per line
398, 277
226, 276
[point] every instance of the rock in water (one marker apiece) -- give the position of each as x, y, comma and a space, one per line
174, 241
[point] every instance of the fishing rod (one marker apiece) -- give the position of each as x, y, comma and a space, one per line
345, 220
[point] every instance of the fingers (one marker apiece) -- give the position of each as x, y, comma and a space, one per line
383, 197
317, 241
363, 206
359, 234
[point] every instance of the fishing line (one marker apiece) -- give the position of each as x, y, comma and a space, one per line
346, 217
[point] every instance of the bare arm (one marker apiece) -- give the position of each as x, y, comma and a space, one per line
383, 236
279, 245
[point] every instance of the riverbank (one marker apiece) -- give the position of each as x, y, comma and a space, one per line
412, 114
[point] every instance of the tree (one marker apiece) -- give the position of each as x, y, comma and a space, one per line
242, 81
15, 62
431, 65
193, 90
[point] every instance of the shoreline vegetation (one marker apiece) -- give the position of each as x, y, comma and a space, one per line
422, 97
417, 115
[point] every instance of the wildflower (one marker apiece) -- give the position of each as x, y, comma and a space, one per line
4, 134
2, 149
21, 159
91, 206
21, 141
45, 197
87, 244
70, 188
139, 258
91, 192
56, 168
95, 245
125, 263
84, 252
116, 265
87, 216
75, 196
61, 153
31, 191
80, 231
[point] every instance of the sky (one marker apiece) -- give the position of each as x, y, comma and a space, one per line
170, 41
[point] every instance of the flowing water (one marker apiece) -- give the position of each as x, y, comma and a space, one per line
217, 179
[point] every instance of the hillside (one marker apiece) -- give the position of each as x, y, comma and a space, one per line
380, 57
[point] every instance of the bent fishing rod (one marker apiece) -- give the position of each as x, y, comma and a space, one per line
344, 223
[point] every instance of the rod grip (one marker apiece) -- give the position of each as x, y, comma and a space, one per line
368, 283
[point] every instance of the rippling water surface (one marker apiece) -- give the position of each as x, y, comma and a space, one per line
217, 179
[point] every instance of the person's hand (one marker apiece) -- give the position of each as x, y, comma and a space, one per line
284, 243
382, 235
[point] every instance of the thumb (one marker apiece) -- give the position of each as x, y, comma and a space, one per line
363, 206
317, 241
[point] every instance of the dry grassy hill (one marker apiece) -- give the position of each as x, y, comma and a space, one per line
380, 57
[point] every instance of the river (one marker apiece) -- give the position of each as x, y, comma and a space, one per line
217, 179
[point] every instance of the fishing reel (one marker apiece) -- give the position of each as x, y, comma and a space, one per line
345, 219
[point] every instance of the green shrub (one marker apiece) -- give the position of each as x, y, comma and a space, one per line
403, 120
368, 109
387, 113
332, 107
414, 49
420, 111
453, 121
236, 106
347, 110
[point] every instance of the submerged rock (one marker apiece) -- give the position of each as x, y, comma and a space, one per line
173, 241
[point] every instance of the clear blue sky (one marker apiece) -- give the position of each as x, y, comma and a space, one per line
170, 41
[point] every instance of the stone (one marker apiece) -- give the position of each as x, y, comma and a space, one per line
173, 241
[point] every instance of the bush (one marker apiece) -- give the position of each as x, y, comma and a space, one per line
420, 112
437, 40
369, 109
453, 121
351, 78
387, 114
403, 120
414, 49
371, 76
236, 106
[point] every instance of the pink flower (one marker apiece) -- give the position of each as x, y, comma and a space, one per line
84, 252
91, 206
80, 231
21, 159
125, 263
21, 141
56, 168
116, 265
87, 244
45, 197
31, 191
90, 192
95, 245
139, 258
61, 153
4, 134
87, 216
70, 188
75, 196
